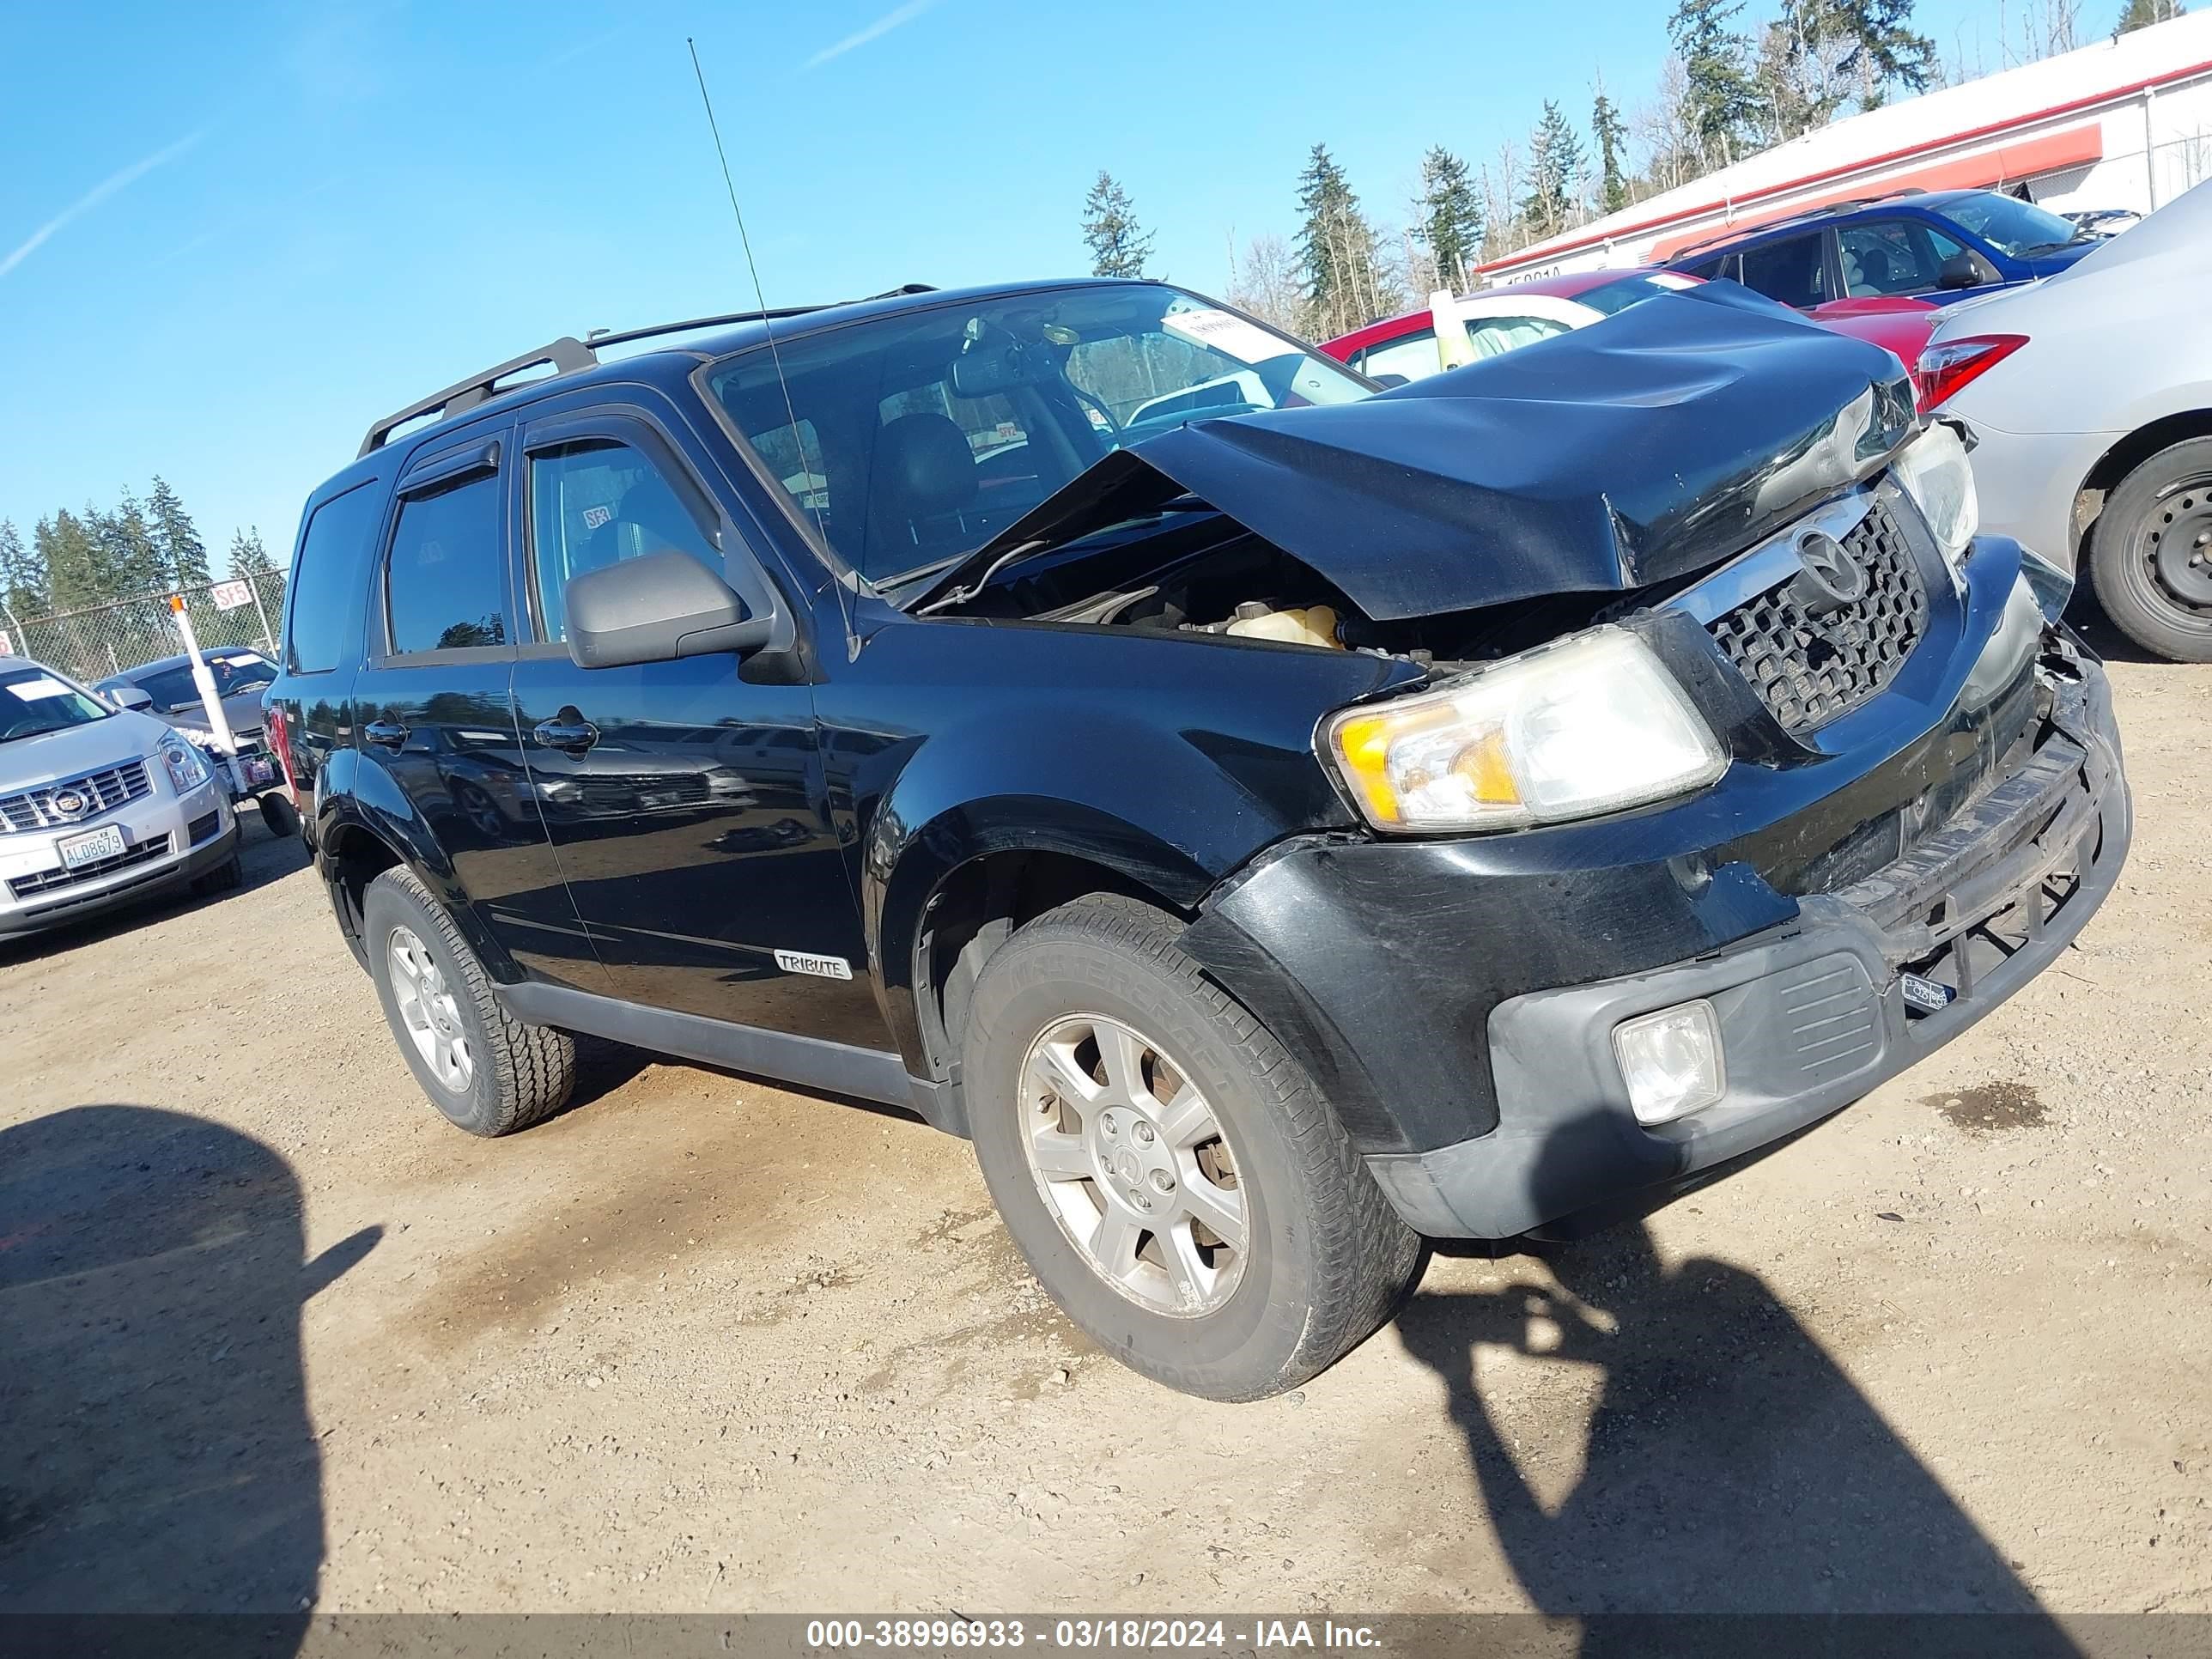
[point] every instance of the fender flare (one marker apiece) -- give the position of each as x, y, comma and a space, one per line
356, 797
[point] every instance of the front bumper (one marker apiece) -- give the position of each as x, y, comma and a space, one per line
1456, 1001
1812, 1015
169, 840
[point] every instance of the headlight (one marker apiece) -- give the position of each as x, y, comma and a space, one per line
1592, 724
1933, 470
187, 771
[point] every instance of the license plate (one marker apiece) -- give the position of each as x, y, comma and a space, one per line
94, 845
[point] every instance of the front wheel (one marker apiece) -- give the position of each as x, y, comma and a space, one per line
1170, 1173
489, 1073
2150, 554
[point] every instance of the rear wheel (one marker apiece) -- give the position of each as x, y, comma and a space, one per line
489, 1073
2150, 555
279, 816
1170, 1174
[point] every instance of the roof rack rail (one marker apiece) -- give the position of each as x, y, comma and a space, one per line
1799, 216
568, 353
565, 355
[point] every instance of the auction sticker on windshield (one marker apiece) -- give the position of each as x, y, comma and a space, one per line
1246, 341
39, 686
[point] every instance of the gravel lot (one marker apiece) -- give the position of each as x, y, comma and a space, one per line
274, 1334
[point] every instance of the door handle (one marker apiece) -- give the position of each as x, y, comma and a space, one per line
389, 733
573, 736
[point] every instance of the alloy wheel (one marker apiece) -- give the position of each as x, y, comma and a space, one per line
427, 1008
1134, 1165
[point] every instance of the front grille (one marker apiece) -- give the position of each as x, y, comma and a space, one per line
1808, 668
47, 881
33, 809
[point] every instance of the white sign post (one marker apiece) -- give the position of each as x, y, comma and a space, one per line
225, 745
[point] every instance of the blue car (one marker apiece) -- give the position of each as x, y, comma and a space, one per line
1938, 246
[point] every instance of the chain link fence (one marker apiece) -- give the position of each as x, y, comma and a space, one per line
102, 640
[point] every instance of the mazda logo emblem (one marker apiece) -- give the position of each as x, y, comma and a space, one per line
1833, 577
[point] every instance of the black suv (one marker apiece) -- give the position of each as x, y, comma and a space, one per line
1273, 820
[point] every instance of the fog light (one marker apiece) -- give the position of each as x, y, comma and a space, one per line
1671, 1060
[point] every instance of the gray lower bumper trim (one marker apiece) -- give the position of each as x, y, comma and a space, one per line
1811, 1018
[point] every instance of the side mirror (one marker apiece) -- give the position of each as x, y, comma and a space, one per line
1390, 382
131, 696
1963, 270
656, 608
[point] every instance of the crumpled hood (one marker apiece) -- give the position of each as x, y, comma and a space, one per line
1649, 446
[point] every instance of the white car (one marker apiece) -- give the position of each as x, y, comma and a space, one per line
99, 806
2090, 393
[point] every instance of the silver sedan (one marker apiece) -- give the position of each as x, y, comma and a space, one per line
2091, 395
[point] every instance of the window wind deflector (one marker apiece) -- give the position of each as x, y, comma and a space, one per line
450, 466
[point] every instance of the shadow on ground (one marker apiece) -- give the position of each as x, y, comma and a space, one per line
158, 1455
1730, 1468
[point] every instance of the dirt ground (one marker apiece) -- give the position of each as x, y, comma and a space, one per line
274, 1334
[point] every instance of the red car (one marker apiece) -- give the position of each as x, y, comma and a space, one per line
1499, 320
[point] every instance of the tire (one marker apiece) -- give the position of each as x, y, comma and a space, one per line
2140, 553
226, 877
512, 1075
278, 815
1325, 1258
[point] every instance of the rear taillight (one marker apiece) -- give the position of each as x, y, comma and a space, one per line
280, 741
1949, 365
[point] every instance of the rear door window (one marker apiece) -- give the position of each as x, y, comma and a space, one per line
330, 576
1794, 270
446, 576
1893, 256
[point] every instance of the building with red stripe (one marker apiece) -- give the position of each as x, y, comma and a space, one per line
2123, 124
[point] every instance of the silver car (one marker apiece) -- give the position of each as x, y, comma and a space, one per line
99, 807
2091, 394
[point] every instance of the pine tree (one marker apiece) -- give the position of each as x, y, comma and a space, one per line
1118, 246
130, 560
1881, 49
22, 578
250, 562
1347, 283
184, 555
66, 551
1612, 135
2141, 13
1451, 216
1719, 97
1554, 176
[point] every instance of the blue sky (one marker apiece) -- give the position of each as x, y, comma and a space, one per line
231, 235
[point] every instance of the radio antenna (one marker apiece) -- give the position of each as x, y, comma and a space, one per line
760, 297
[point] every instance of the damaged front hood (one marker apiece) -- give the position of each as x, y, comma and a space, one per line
1646, 447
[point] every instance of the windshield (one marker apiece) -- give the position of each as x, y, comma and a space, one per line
2012, 226
235, 671
34, 702
914, 438
1618, 297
